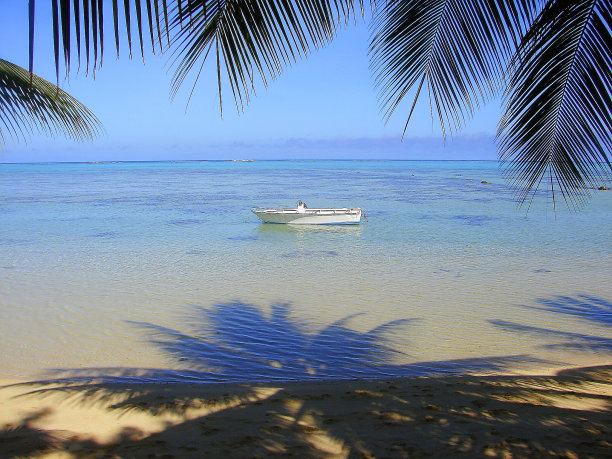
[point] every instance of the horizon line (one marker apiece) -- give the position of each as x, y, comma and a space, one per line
245, 160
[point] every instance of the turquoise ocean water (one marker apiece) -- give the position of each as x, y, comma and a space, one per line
159, 271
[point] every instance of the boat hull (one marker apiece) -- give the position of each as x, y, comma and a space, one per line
311, 217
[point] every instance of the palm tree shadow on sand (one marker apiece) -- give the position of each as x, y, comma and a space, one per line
237, 342
587, 308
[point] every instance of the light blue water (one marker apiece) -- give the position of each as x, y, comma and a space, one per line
160, 270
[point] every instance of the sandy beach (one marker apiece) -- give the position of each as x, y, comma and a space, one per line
566, 414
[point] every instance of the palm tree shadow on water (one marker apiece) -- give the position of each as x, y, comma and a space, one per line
236, 342
589, 309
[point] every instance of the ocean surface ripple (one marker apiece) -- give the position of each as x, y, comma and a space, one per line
159, 271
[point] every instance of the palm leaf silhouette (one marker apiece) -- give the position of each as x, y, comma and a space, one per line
456, 49
30, 104
558, 120
249, 39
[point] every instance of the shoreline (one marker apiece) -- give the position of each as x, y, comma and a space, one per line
565, 412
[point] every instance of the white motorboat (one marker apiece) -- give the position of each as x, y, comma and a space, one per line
302, 215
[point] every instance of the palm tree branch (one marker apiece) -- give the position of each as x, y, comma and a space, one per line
558, 103
255, 39
91, 13
29, 103
460, 47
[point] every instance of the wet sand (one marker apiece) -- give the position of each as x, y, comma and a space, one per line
567, 414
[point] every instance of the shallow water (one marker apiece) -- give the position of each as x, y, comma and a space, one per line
159, 270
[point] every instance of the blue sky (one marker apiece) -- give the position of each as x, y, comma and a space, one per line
322, 107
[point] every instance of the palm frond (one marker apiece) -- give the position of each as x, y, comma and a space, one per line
456, 49
557, 125
31, 104
251, 39
87, 20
